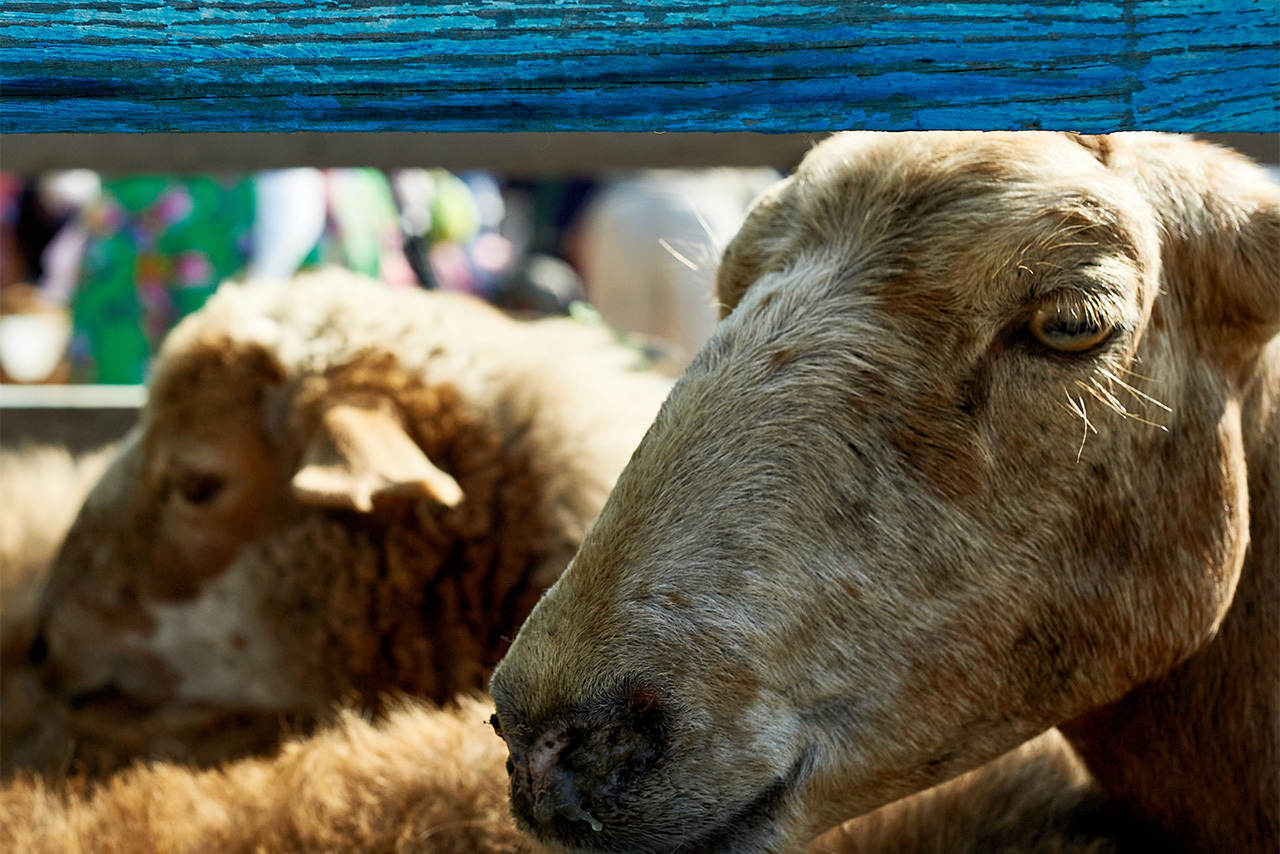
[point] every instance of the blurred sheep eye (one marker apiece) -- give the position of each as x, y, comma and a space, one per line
1069, 328
200, 488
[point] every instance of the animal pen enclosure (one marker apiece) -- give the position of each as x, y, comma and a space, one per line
551, 88
547, 88
227, 77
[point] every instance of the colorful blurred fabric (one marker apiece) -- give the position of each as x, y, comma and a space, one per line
130, 259
158, 245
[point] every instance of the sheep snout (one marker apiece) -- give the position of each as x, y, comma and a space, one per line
547, 788
585, 767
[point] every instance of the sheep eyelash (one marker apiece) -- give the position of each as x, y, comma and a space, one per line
662, 241
1096, 306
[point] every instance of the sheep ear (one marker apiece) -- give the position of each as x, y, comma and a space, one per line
1221, 252
746, 258
359, 454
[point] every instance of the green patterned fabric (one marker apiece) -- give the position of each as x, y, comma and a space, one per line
158, 246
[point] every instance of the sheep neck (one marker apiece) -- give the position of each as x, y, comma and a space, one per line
1196, 753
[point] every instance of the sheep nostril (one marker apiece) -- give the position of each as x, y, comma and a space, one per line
560, 797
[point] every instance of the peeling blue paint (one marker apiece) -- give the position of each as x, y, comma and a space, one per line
625, 65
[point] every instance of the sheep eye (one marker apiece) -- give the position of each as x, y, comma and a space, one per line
1069, 329
196, 488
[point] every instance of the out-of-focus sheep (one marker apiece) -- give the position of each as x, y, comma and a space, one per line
336, 491
648, 246
425, 781
422, 780
41, 488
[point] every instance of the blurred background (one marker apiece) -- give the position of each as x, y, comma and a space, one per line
95, 268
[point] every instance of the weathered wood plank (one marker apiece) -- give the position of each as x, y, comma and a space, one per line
77, 417
93, 66
524, 155
531, 155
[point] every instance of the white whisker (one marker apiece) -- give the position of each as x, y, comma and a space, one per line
1134, 373
1079, 409
674, 254
715, 238
1133, 391
1104, 396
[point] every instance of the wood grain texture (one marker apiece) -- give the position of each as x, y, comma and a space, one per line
92, 66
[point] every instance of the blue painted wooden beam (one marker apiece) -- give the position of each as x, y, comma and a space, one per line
95, 66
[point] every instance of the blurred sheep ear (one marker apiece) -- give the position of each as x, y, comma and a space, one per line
359, 454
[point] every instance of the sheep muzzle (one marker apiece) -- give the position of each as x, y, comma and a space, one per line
585, 766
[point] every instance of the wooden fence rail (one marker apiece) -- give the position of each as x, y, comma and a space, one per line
97, 66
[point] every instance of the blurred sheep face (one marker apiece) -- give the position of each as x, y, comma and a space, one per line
199, 578
947, 475
147, 605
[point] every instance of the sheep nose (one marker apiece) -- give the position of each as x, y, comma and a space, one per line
586, 766
544, 784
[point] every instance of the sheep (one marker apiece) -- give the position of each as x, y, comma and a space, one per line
421, 780
986, 443
431, 781
41, 488
1039, 797
647, 244
337, 492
